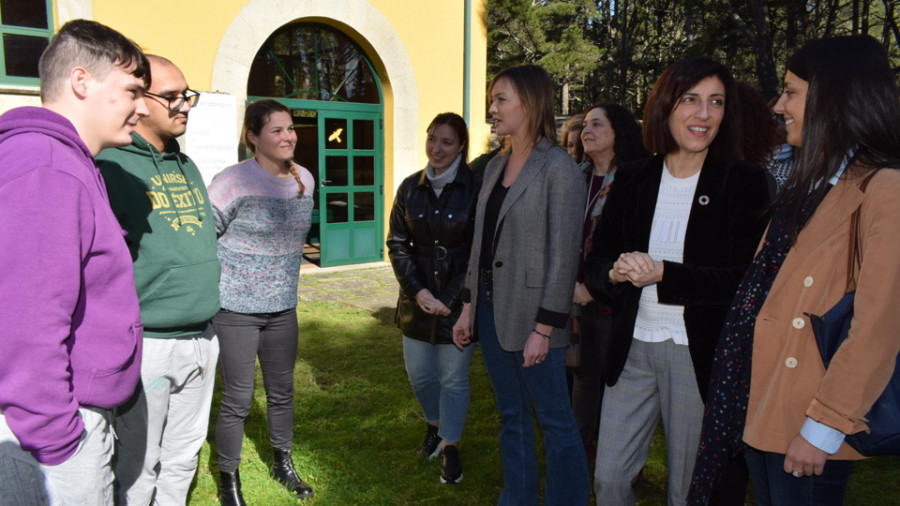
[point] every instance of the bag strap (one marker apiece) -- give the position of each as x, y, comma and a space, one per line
855, 255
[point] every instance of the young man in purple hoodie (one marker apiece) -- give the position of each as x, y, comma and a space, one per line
70, 328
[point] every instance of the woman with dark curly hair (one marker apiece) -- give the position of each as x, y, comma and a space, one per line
611, 136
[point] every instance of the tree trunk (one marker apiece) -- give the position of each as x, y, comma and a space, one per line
830, 22
760, 38
864, 24
624, 50
762, 45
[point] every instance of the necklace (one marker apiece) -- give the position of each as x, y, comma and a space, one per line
592, 198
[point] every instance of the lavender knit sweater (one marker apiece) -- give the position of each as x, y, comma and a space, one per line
262, 223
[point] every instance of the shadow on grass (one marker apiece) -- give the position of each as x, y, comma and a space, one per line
357, 426
362, 424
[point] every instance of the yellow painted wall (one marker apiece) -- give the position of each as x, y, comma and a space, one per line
432, 31
186, 32
479, 129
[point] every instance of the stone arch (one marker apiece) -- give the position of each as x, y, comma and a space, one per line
260, 18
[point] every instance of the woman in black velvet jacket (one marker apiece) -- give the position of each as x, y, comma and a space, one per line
689, 124
428, 243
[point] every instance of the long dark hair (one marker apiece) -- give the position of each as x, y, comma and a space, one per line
674, 82
628, 144
852, 103
758, 130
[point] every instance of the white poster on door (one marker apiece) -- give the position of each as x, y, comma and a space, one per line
211, 139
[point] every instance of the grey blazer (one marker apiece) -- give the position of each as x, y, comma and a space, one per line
537, 243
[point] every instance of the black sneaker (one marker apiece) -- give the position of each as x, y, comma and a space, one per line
431, 446
451, 469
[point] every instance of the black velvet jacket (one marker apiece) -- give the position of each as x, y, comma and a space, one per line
428, 245
726, 222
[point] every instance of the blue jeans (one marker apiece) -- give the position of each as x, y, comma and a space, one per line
439, 376
515, 389
774, 487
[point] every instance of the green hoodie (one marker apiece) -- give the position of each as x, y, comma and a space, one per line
161, 202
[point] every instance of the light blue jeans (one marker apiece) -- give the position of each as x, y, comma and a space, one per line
439, 376
516, 390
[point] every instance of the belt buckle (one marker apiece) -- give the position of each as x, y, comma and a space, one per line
441, 253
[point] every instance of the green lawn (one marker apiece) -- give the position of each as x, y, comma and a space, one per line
357, 427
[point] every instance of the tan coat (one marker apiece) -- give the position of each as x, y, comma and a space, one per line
789, 381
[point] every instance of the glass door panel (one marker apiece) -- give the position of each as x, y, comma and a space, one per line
335, 171
351, 187
364, 171
363, 134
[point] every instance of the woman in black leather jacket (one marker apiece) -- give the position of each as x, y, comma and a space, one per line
428, 244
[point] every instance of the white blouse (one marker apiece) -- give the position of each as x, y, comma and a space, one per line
659, 322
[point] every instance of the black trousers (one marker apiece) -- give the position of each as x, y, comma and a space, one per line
587, 384
242, 337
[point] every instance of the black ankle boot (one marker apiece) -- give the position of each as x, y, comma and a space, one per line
283, 471
230, 489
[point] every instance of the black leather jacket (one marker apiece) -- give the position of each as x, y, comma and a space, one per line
428, 244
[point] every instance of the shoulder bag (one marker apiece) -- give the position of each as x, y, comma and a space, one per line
830, 329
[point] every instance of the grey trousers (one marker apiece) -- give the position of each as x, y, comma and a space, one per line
658, 380
244, 337
86, 478
162, 427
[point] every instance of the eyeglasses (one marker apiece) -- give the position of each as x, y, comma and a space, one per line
176, 101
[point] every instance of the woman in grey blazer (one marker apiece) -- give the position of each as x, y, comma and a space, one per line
519, 286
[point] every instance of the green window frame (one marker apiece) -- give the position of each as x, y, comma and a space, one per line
313, 61
21, 45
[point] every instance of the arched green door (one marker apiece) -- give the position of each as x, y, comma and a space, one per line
335, 97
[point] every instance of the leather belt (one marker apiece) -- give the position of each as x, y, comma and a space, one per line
439, 252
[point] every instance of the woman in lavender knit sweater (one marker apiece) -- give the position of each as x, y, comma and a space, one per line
263, 208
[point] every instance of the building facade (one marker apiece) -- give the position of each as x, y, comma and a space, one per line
362, 77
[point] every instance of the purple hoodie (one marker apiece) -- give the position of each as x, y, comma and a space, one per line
70, 329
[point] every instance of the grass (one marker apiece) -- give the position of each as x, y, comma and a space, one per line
357, 426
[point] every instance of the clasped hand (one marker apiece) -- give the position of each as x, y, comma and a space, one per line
431, 305
462, 330
638, 268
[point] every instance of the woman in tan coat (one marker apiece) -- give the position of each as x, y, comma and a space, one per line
841, 110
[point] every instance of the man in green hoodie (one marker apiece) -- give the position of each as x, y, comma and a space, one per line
160, 200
